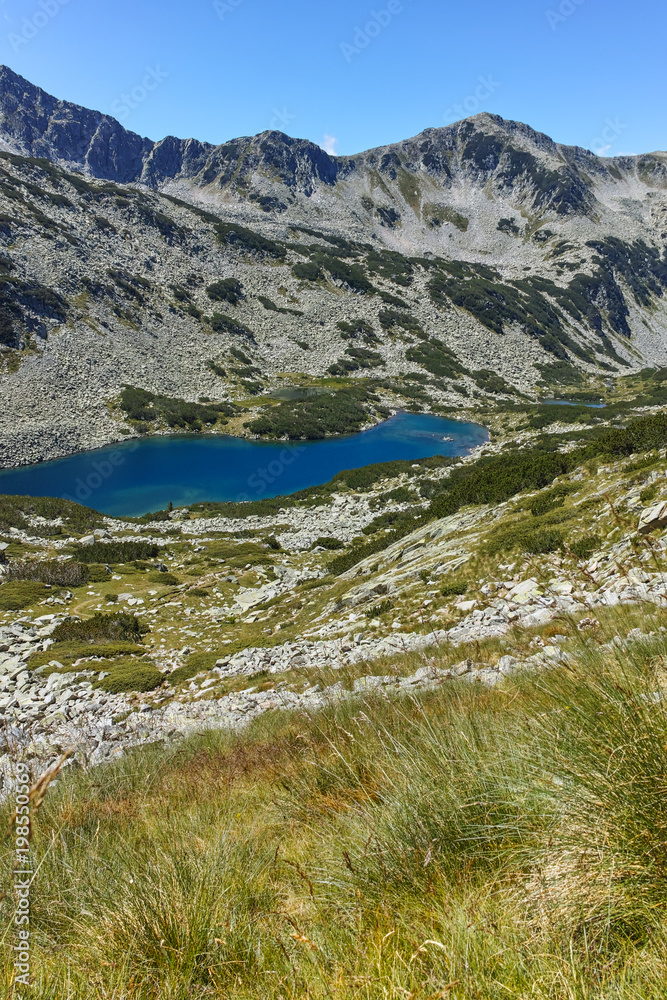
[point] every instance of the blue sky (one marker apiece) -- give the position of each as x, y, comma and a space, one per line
350, 74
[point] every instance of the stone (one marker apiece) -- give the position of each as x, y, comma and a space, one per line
507, 665
652, 518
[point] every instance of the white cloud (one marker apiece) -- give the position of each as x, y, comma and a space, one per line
329, 144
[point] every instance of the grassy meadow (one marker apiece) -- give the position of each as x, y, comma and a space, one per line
462, 843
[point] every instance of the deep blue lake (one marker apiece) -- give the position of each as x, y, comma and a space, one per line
140, 476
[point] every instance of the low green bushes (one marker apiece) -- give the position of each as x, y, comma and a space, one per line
454, 588
220, 323
52, 571
167, 579
130, 675
226, 290
549, 500
307, 271
390, 318
390, 519
145, 407
68, 652
270, 305
315, 417
583, 547
436, 358
101, 628
97, 574
400, 495
117, 552
328, 543
15, 510
352, 275
379, 609
357, 329
248, 241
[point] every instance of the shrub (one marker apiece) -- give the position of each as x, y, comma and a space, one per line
328, 543
273, 543
225, 324
351, 275
51, 571
98, 574
380, 609
649, 493
307, 271
68, 652
141, 405
168, 579
454, 588
525, 538
131, 675
117, 552
272, 307
358, 328
21, 594
543, 541
583, 547
101, 628
389, 318
227, 290
436, 359
401, 495
15, 510
247, 240
390, 518
550, 499
313, 418
489, 381
216, 369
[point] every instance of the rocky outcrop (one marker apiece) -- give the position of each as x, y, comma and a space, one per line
509, 159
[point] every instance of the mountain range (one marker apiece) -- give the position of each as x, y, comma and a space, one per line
472, 262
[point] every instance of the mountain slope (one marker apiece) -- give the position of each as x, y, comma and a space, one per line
476, 260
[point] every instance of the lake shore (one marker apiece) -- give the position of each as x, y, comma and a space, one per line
146, 474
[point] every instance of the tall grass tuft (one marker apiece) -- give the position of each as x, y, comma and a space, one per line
463, 842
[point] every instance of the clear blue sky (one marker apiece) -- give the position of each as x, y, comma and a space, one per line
587, 72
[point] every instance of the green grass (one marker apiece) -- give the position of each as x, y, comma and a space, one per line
461, 843
22, 594
67, 652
